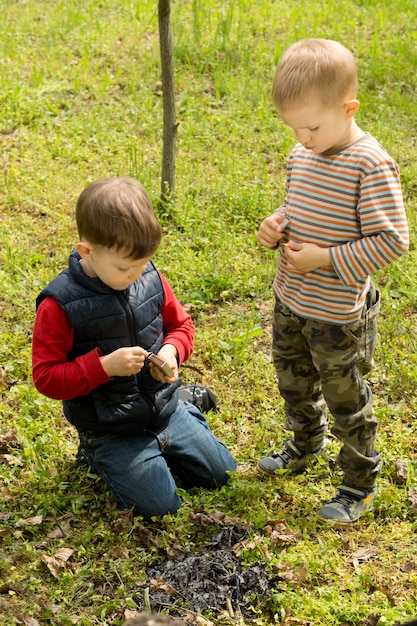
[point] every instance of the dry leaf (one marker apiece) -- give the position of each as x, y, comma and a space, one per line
364, 554
246, 544
56, 563
61, 531
408, 567
160, 585
412, 496
5, 494
27, 620
143, 535
9, 440
124, 522
195, 618
63, 554
174, 550
203, 519
30, 521
278, 531
292, 575
400, 472
128, 613
3, 378
10, 459
120, 552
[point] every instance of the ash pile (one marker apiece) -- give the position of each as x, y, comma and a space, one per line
212, 580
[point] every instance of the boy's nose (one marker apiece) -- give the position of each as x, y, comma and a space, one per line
303, 136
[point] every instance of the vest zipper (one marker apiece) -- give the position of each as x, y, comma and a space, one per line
139, 379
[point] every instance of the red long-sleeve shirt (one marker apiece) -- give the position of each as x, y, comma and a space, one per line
54, 375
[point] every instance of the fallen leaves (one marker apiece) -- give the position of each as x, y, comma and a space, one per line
30, 521
9, 443
279, 532
292, 575
203, 519
4, 380
60, 531
10, 459
57, 562
412, 497
363, 555
399, 473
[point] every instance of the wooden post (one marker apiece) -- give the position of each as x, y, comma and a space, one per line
168, 94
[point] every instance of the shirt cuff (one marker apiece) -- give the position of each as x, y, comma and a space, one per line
92, 368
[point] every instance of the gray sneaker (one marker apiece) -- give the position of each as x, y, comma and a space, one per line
291, 458
348, 505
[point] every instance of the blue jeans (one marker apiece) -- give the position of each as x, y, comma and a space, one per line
140, 469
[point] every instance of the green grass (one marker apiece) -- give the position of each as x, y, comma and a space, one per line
80, 99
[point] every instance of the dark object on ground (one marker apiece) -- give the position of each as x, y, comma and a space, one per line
213, 581
199, 395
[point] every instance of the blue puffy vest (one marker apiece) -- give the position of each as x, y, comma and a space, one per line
108, 319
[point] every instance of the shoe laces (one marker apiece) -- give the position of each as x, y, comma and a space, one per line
346, 499
288, 455
343, 499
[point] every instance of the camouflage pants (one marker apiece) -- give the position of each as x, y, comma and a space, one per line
319, 364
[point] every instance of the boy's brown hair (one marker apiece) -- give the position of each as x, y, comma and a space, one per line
117, 213
314, 70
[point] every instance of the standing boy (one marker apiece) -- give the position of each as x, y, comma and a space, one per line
342, 219
98, 324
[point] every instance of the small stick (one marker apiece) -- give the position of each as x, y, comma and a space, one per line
230, 608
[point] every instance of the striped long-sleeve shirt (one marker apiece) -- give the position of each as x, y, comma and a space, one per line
350, 202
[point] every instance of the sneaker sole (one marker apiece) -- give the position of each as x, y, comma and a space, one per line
337, 523
344, 523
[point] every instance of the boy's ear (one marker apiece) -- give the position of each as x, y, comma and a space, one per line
84, 249
351, 107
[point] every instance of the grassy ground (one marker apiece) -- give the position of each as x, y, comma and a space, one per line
80, 99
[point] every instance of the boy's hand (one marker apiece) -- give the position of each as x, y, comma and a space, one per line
124, 361
270, 233
169, 354
306, 257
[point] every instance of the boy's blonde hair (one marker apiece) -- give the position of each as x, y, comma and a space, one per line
117, 213
314, 70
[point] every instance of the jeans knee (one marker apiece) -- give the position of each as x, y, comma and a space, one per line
221, 476
155, 508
